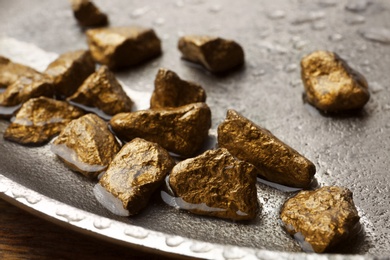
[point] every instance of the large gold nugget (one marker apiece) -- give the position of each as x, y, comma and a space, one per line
119, 47
275, 160
181, 130
27, 87
86, 145
11, 71
103, 91
331, 85
87, 14
171, 91
323, 217
136, 172
216, 184
215, 54
40, 119
70, 70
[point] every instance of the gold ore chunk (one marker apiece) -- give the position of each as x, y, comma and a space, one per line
11, 71
171, 91
275, 160
103, 91
70, 70
181, 130
324, 217
136, 172
119, 47
88, 14
331, 85
86, 145
214, 53
216, 184
39, 119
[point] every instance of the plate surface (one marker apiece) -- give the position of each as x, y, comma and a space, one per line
347, 151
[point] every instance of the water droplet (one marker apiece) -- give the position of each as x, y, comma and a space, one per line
277, 14
336, 37
357, 5
376, 87
328, 3
356, 19
174, 241
199, 247
258, 73
30, 198
291, 67
136, 232
233, 253
377, 34
159, 21
101, 223
140, 12
308, 17
215, 8
319, 26
69, 214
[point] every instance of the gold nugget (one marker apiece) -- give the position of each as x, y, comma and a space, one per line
87, 14
216, 184
214, 53
11, 71
86, 145
322, 218
275, 160
331, 85
181, 130
70, 70
103, 91
136, 172
119, 47
171, 91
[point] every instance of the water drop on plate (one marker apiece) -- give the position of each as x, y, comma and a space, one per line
277, 14
174, 241
101, 223
140, 12
377, 34
30, 198
233, 253
336, 37
69, 214
291, 67
200, 247
136, 232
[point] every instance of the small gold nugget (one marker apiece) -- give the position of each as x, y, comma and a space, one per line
331, 85
275, 160
216, 184
215, 54
103, 91
40, 119
87, 14
86, 145
11, 71
322, 218
136, 172
181, 130
119, 47
171, 91
70, 70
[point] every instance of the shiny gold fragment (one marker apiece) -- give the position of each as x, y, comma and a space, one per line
86, 145
119, 47
325, 217
136, 172
70, 70
40, 119
216, 184
171, 91
26, 87
181, 130
11, 71
88, 14
275, 160
331, 85
214, 53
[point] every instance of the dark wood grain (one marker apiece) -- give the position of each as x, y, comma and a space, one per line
24, 236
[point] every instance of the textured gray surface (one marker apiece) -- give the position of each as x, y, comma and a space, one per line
350, 151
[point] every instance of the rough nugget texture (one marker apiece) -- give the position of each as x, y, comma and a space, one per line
181, 130
11, 71
331, 85
325, 217
214, 53
88, 14
40, 119
103, 91
70, 70
275, 160
171, 91
216, 184
86, 145
119, 47
136, 172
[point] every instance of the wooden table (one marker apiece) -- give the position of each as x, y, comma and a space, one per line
24, 236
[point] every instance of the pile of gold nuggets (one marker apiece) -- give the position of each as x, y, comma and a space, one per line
163, 142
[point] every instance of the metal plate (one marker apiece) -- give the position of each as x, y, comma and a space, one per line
349, 151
